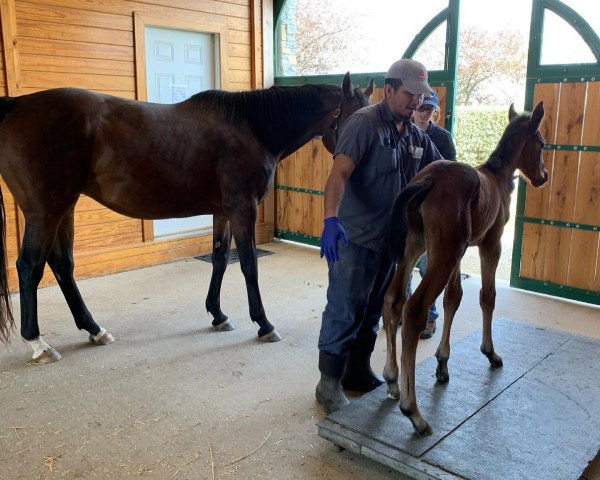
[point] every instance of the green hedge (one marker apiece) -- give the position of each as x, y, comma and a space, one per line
477, 132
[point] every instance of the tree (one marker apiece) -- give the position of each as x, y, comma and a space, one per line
326, 37
488, 64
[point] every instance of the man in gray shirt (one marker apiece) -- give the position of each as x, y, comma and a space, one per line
379, 150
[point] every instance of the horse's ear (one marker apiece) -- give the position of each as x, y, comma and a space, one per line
347, 86
512, 113
369, 90
537, 115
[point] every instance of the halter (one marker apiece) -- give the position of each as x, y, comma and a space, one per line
336, 121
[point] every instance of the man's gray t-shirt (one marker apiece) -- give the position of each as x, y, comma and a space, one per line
385, 162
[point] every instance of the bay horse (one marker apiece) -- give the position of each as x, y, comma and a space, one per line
214, 153
447, 207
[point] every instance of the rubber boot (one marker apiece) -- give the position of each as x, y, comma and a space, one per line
359, 377
330, 394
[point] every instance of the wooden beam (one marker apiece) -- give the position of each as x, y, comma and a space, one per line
11, 47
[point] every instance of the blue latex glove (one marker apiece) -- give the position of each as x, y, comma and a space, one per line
333, 232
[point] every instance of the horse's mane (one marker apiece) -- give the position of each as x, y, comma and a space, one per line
506, 144
262, 109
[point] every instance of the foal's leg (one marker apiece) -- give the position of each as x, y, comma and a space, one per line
61, 262
452, 297
394, 301
414, 319
220, 257
37, 242
489, 254
243, 229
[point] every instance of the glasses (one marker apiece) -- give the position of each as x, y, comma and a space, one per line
425, 108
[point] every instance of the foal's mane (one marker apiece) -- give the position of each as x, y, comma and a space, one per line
507, 143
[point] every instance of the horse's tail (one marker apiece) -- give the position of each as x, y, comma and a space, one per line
407, 202
7, 321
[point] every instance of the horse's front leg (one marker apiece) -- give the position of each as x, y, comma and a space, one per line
489, 254
452, 297
61, 262
220, 258
243, 230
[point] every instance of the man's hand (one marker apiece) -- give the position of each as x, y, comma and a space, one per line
332, 233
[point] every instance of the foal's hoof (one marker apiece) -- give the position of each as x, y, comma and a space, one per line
103, 338
50, 355
224, 326
495, 360
393, 390
271, 337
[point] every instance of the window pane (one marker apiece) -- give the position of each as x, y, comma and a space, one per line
432, 53
316, 37
589, 10
561, 44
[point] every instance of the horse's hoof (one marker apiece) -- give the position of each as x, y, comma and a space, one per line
442, 374
103, 338
271, 337
225, 326
421, 426
50, 355
495, 360
393, 391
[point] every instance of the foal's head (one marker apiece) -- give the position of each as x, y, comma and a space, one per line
531, 161
353, 99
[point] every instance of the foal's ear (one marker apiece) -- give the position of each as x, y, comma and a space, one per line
512, 113
537, 115
347, 86
369, 90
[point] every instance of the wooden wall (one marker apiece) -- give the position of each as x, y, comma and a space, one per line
565, 254
92, 44
300, 183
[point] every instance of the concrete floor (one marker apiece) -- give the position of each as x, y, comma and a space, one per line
173, 399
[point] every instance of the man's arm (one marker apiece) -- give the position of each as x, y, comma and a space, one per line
333, 232
343, 166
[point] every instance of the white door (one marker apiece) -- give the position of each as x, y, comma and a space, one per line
179, 64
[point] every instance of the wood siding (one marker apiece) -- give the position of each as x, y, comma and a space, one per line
91, 44
569, 257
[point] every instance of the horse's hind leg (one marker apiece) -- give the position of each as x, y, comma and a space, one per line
243, 229
395, 298
61, 262
489, 254
414, 318
220, 257
37, 243
452, 297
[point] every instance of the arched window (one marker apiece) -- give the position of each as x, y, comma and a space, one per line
316, 38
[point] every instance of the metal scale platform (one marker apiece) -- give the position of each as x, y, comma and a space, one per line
537, 417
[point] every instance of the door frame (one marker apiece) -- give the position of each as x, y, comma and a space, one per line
198, 24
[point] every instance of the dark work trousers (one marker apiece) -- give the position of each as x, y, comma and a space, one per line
357, 285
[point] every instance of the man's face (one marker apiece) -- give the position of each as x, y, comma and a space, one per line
402, 103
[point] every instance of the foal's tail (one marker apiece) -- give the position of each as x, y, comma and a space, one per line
407, 203
7, 321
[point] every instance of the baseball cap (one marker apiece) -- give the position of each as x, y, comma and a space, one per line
412, 73
431, 99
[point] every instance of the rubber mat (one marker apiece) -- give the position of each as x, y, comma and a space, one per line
536, 417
